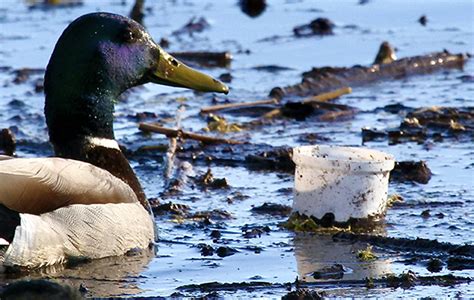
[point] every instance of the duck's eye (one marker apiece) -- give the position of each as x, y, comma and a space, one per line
130, 36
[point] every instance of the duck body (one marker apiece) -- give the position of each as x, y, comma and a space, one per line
87, 202
60, 208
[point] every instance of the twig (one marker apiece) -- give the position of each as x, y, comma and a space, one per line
169, 132
173, 144
325, 97
214, 108
272, 114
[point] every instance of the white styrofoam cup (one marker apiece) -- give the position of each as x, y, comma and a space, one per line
349, 182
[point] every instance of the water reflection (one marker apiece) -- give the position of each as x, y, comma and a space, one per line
111, 276
316, 252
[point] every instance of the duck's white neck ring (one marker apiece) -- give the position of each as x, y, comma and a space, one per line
102, 142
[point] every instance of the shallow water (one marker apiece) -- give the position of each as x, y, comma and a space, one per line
27, 37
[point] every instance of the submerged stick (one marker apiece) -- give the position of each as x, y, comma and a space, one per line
325, 97
169, 132
209, 109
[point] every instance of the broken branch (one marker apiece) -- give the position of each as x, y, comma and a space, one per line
325, 97
169, 132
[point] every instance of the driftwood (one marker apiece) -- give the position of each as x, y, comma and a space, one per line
320, 80
169, 132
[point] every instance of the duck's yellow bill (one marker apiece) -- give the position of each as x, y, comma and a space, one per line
172, 72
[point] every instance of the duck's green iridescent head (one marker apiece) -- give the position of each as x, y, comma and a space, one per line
99, 56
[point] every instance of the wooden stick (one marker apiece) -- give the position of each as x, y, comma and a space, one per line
169, 132
209, 109
325, 97
272, 114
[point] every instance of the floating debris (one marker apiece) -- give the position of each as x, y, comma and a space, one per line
7, 142
206, 59
205, 249
24, 74
226, 77
220, 124
319, 26
194, 25
273, 209
423, 20
386, 54
236, 105
207, 180
272, 68
169, 132
335, 271
394, 199
171, 208
253, 8
405, 244
304, 294
460, 263
320, 80
434, 265
224, 251
404, 280
140, 116
435, 123
366, 254
416, 171
50, 4
40, 289
137, 13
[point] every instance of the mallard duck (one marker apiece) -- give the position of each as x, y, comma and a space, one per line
87, 202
